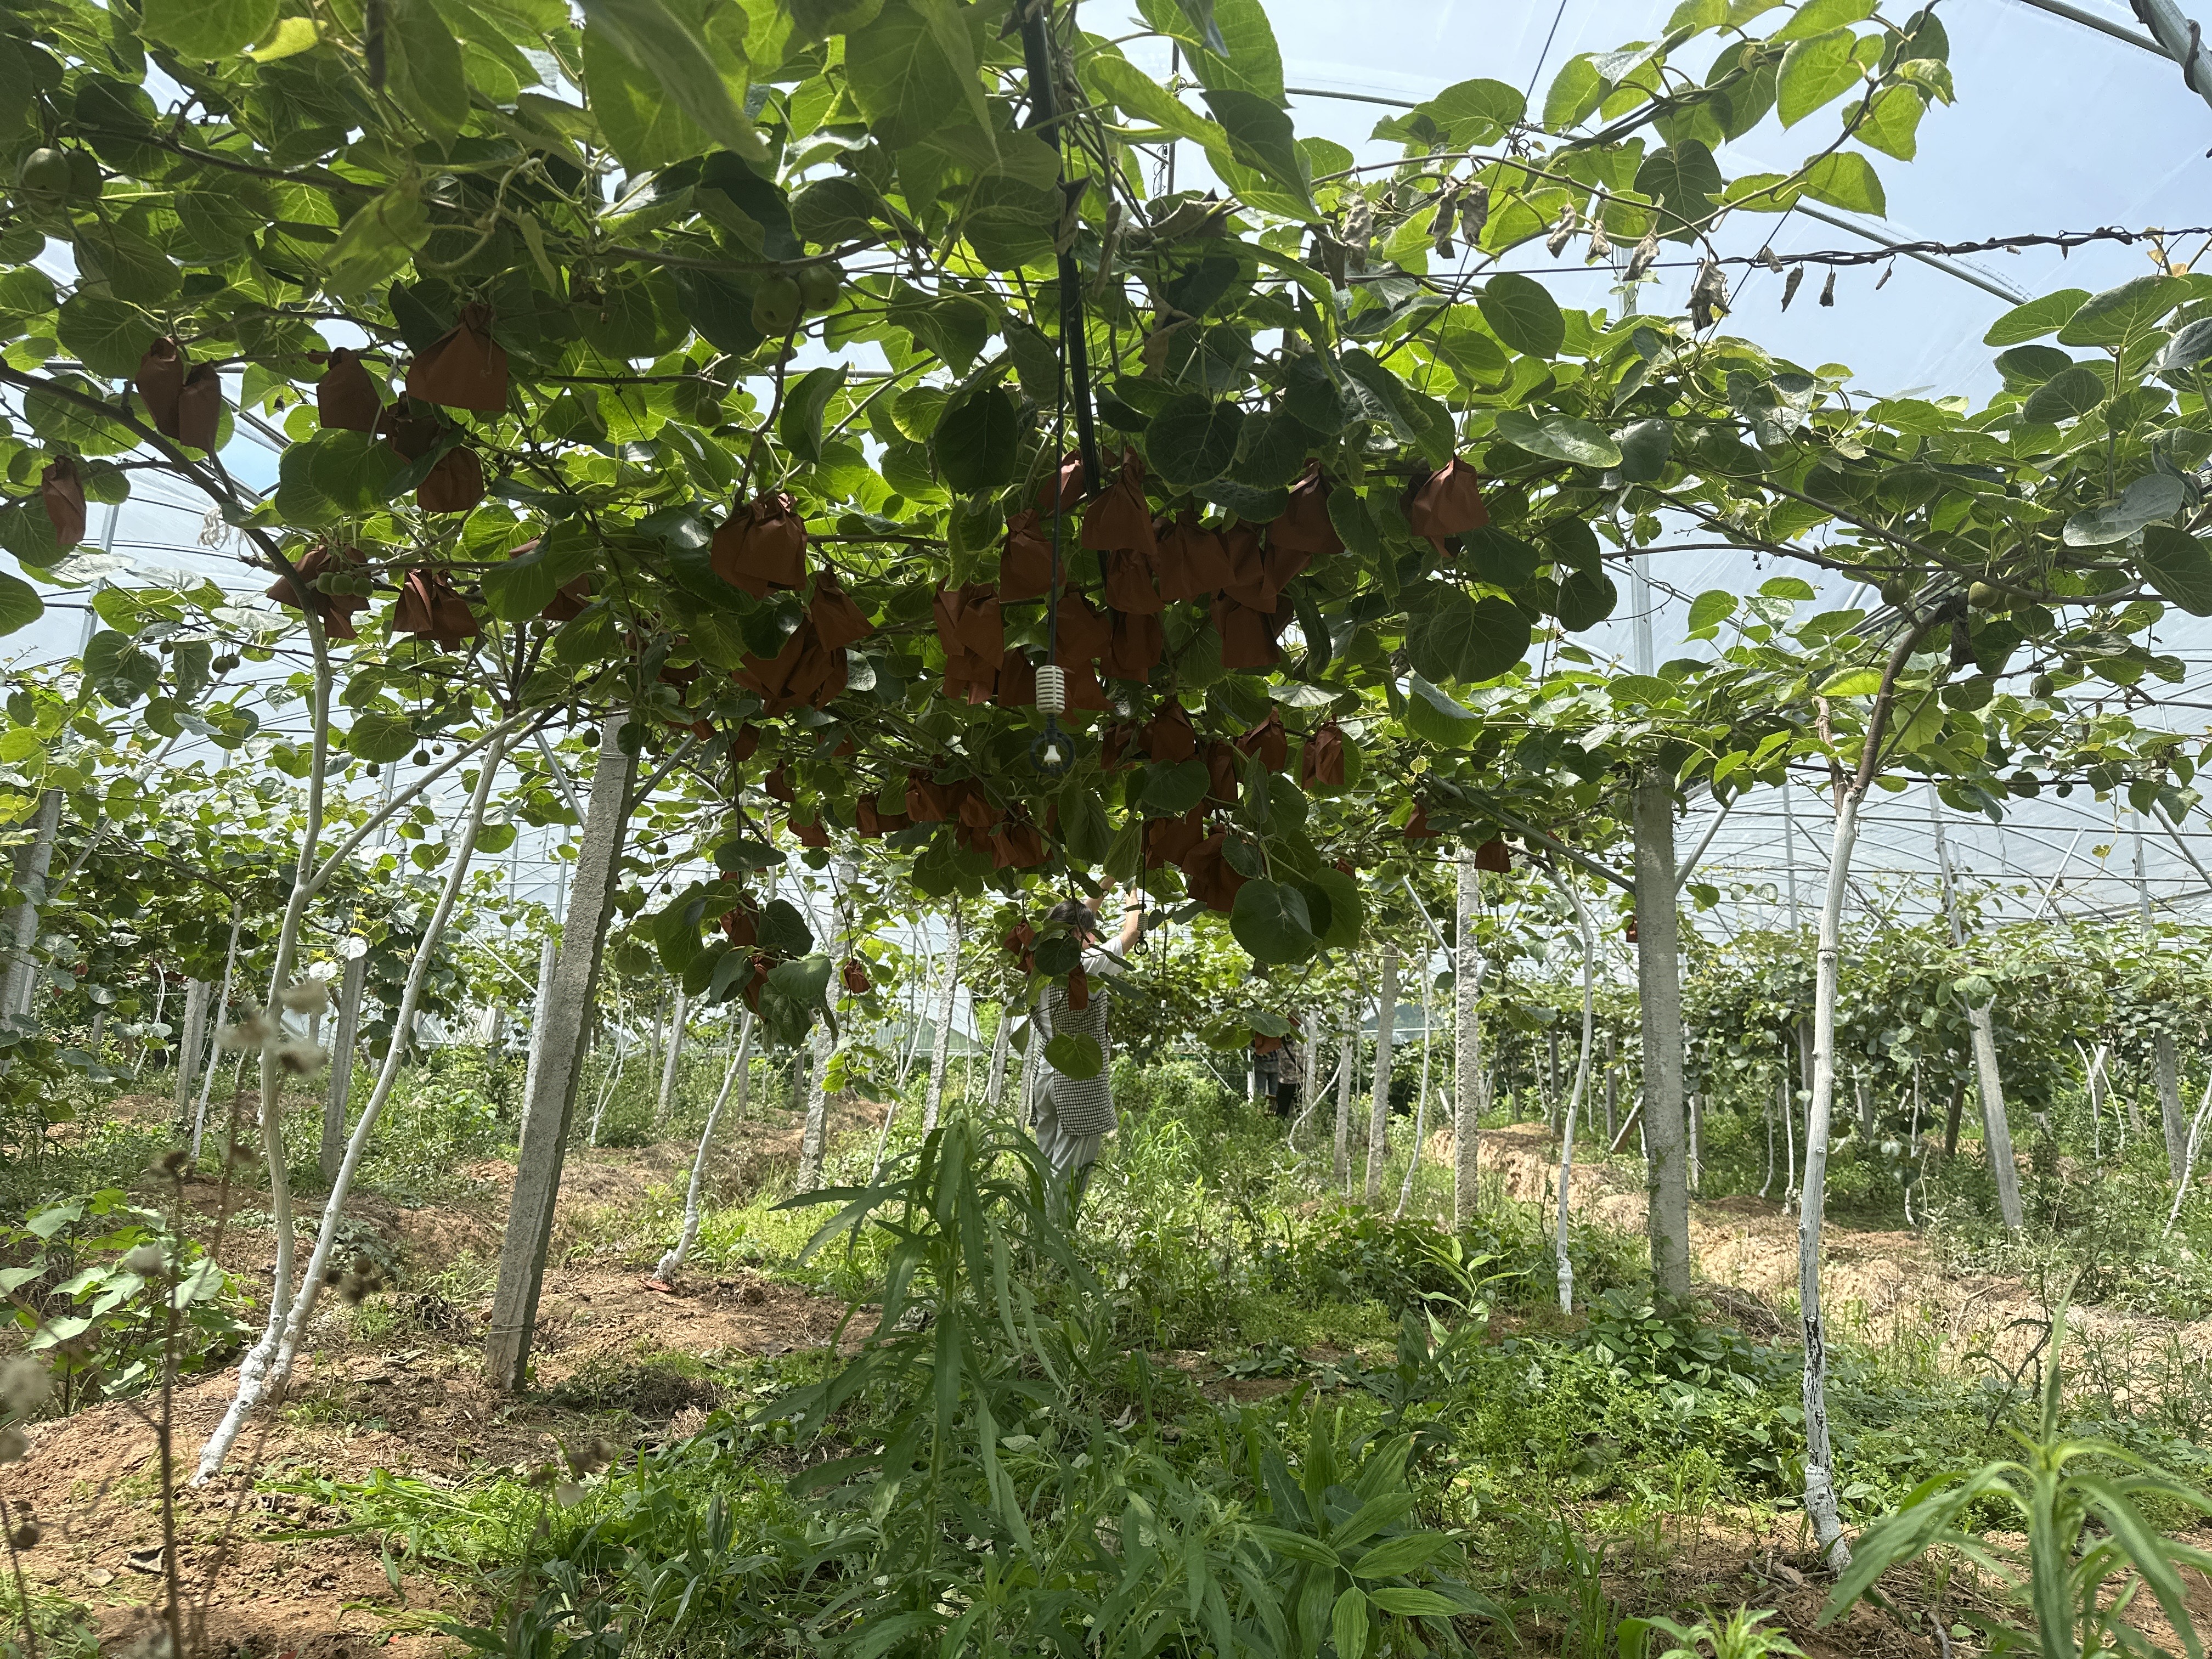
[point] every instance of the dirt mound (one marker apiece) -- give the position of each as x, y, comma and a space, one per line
1882, 1286
772, 1146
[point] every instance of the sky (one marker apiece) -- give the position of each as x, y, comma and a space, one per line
2057, 127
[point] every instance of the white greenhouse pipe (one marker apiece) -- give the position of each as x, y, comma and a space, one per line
252, 1388
672, 1263
1575, 1096
211, 1023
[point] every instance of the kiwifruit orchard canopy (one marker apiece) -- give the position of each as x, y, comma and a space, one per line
806, 383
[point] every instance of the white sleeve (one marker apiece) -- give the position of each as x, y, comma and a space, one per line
1103, 963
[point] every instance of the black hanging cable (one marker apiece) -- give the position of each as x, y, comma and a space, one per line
1044, 106
1053, 753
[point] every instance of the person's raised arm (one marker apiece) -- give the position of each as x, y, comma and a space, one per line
1133, 923
1132, 918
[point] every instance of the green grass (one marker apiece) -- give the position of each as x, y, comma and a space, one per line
1208, 1244
64, 1627
1542, 1444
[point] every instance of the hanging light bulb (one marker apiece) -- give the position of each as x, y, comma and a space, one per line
1053, 753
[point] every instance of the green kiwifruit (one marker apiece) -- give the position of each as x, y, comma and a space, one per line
46, 172
819, 285
777, 306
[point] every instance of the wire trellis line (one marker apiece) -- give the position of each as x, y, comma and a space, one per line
1887, 250
2063, 240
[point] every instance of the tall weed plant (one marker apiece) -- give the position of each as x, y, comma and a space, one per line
992, 1471
2091, 1550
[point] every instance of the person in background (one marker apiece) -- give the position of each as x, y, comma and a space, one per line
1290, 1077
1264, 1079
1275, 1063
1075, 1113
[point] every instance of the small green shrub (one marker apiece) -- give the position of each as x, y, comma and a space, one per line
2102, 1228
1742, 1635
1182, 1090
90, 1280
64, 1628
1351, 1254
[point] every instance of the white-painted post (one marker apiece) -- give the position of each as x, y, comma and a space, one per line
32, 864
1347, 1070
219, 1010
545, 1139
671, 1067
190, 1040
942, 1008
1565, 1205
994, 1082
1996, 1127
740, 1060
1378, 1118
351, 985
548, 960
814, 1137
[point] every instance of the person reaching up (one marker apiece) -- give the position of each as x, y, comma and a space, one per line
1076, 1114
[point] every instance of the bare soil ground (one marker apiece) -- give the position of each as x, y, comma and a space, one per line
414, 1402
422, 1410
1886, 1286
1881, 1284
